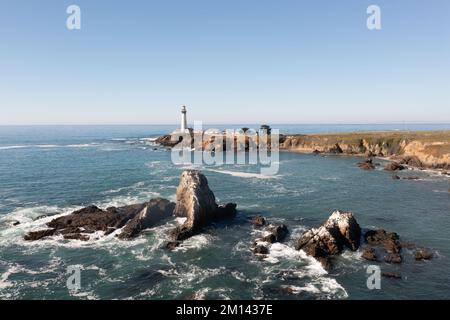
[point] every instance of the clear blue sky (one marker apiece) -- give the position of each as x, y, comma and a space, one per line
229, 61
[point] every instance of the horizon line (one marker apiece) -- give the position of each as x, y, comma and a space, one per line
227, 123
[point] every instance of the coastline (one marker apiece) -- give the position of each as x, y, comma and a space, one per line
308, 190
415, 149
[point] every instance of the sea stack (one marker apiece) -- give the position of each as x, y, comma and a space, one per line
197, 203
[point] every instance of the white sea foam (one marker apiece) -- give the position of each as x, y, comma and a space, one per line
84, 145
440, 191
329, 178
201, 294
4, 283
195, 243
88, 295
246, 175
189, 274
47, 146
133, 187
148, 139
279, 251
12, 147
331, 288
307, 288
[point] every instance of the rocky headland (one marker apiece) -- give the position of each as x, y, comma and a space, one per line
418, 149
427, 149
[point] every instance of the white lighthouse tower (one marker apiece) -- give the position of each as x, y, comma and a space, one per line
183, 127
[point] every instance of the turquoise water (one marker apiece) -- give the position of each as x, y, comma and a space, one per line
55, 170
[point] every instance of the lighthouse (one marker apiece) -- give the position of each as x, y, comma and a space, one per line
183, 127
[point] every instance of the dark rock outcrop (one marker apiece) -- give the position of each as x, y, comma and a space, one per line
76, 236
395, 177
258, 221
260, 249
153, 212
369, 253
90, 219
390, 241
197, 203
393, 275
366, 165
386, 243
394, 166
393, 258
411, 161
276, 233
336, 149
339, 231
423, 254
37, 235
11, 223
407, 245
171, 245
168, 140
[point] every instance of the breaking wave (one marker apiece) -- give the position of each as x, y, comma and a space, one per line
246, 175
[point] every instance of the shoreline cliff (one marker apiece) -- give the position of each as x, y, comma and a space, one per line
419, 149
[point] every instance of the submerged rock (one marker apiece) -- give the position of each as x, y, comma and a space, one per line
260, 249
76, 236
411, 178
393, 258
11, 223
171, 245
197, 203
258, 221
394, 166
423, 254
339, 231
393, 275
369, 253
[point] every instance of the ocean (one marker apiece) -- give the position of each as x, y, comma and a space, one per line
53, 170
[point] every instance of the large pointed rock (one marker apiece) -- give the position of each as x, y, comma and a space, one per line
197, 203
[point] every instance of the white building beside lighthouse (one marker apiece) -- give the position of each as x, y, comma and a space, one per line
183, 127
